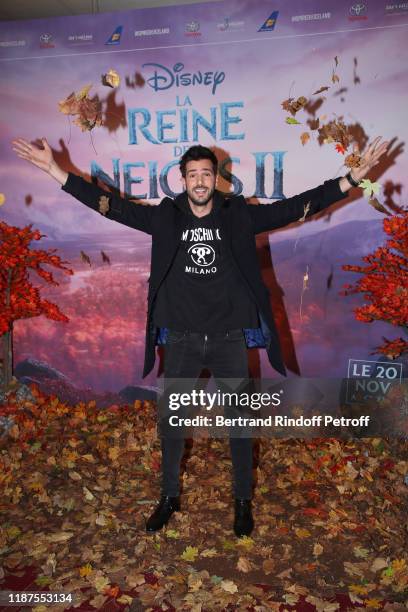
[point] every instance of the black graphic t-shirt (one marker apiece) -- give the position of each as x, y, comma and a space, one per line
203, 290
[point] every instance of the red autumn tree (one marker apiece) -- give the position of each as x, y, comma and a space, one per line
19, 299
385, 283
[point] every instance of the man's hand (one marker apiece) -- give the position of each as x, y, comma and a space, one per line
42, 158
369, 158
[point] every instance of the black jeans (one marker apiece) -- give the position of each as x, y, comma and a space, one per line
186, 354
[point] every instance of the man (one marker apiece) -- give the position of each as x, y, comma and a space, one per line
207, 302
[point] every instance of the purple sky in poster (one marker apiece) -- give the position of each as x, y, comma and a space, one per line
261, 69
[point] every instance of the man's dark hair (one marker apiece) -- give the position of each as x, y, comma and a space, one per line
196, 153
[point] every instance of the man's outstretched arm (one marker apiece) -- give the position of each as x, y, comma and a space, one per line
118, 209
272, 216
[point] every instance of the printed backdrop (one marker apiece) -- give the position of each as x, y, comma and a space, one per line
216, 74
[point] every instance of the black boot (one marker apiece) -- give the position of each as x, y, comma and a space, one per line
163, 512
243, 522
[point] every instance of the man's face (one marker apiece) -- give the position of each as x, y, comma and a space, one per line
199, 181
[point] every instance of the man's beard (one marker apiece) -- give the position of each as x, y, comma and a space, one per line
204, 202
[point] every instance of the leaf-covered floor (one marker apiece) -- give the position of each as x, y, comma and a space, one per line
78, 482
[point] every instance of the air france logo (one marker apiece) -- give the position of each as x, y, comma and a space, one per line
202, 254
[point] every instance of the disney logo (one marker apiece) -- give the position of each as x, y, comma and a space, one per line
165, 78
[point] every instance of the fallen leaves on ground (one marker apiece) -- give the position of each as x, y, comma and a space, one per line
78, 482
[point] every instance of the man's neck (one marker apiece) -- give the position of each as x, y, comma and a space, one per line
201, 211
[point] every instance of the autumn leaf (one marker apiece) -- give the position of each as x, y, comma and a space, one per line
86, 110
302, 533
62, 536
317, 549
114, 453
229, 586
268, 566
340, 148
209, 552
369, 188
358, 589
172, 533
378, 564
101, 583
353, 160
246, 542
373, 603
189, 554
2, 199
304, 137
292, 121
325, 88
360, 552
293, 106
85, 570
244, 565
125, 599
111, 78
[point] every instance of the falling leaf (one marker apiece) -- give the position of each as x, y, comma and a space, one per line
86, 111
340, 148
369, 188
229, 586
111, 78
304, 137
286, 104
292, 121
353, 160
336, 60
189, 554
294, 106
325, 88
2, 199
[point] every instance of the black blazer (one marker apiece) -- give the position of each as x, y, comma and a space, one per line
240, 222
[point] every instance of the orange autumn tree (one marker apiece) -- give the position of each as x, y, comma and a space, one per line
385, 283
19, 299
